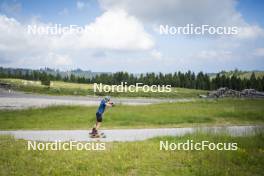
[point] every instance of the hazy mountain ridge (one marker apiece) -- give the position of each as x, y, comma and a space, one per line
76, 72
238, 73
90, 74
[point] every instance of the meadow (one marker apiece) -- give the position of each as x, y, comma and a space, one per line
180, 114
66, 88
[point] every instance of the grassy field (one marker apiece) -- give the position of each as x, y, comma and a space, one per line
137, 158
202, 112
63, 88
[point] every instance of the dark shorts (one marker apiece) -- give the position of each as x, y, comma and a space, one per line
99, 117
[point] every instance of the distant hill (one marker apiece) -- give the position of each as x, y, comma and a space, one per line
90, 74
77, 72
238, 73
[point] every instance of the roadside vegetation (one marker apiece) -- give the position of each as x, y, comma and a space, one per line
138, 158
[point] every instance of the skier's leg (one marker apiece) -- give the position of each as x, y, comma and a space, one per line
94, 130
98, 122
97, 125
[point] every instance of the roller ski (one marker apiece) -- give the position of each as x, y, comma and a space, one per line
96, 134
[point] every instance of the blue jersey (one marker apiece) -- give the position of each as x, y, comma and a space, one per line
102, 106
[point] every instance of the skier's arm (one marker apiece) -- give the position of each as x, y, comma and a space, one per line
109, 104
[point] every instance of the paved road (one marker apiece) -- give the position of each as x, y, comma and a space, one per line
20, 100
123, 135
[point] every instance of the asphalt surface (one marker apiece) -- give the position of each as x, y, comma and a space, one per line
125, 135
20, 100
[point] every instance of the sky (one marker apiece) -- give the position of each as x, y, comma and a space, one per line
124, 35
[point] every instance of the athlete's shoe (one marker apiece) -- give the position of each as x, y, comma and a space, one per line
94, 131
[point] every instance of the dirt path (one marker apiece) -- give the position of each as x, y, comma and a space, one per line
123, 135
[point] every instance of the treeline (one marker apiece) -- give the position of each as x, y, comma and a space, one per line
236, 83
177, 79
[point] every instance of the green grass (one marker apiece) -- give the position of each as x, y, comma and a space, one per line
203, 112
63, 88
137, 158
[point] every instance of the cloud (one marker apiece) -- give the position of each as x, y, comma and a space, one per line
221, 55
99, 54
59, 59
179, 11
156, 54
119, 39
217, 53
18, 47
63, 12
118, 31
113, 31
182, 12
10, 8
259, 52
250, 32
80, 5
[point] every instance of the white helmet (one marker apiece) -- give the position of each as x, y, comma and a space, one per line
107, 98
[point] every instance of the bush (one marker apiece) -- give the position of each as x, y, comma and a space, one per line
45, 81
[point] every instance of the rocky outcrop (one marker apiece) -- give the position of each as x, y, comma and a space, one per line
226, 92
